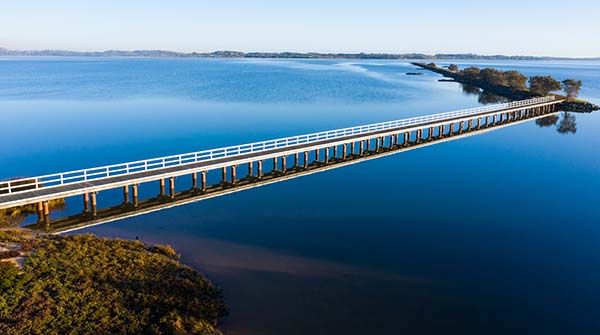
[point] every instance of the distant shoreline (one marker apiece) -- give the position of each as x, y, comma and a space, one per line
282, 55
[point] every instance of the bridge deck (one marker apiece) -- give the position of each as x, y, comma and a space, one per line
75, 188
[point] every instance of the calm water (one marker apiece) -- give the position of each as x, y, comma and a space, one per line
492, 234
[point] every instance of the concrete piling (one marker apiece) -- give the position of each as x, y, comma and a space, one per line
86, 202
161, 187
194, 180
46, 207
125, 194
233, 174
306, 159
203, 180
172, 187
94, 204
134, 192
283, 164
259, 167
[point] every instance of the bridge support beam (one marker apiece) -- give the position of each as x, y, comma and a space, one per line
172, 187
233, 174
134, 192
317, 155
478, 123
203, 180
397, 139
419, 135
296, 160
326, 155
94, 204
86, 203
275, 164
344, 148
125, 194
461, 126
451, 129
494, 119
361, 148
368, 144
352, 148
469, 124
250, 168
335, 151
46, 206
40, 212
283, 164
377, 144
391, 141
161, 187
441, 131
306, 159
224, 175
406, 138
194, 180
259, 167
430, 133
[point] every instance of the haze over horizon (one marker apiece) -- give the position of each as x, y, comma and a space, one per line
536, 28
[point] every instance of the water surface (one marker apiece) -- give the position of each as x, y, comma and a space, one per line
496, 233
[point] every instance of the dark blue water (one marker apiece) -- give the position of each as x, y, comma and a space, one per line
493, 234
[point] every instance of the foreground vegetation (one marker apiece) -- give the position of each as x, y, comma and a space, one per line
84, 284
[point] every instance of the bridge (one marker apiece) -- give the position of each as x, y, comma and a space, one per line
331, 149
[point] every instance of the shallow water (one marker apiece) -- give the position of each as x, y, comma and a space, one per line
495, 233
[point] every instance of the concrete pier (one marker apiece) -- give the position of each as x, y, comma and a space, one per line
317, 155
430, 134
161, 187
250, 172
134, 192
335, 151
283, 164
40, 212
377, 144
306, 159
194, 180
478, 123
360, 148
94, 204
86, 203
296, 160
203, 180
172, 187
352, 148
46, 206
441, 131
419, 135
461, 126
451, 132
125, 194
223, 175
275, 167
233, 174
406, 138
326, 155
344, 148
259, 167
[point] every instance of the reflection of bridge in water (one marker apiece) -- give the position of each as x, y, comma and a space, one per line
331, 149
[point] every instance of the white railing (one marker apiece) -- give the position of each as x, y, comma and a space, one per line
64, 178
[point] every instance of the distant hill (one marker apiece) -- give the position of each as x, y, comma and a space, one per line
239, 54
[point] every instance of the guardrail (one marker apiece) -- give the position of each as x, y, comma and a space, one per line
64, 178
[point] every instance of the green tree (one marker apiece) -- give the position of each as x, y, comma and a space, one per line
471, 73
543, 84
515, 80
453, 68
571, 87
492, 76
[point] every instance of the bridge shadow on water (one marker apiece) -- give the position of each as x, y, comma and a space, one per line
375, 148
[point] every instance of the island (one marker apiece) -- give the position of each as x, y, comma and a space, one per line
512, 85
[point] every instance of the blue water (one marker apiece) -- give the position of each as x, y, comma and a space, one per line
492, 234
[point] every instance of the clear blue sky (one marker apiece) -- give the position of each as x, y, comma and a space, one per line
531, 27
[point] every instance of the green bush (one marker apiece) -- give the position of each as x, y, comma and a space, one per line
83, 284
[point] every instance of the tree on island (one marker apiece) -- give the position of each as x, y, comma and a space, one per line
543, 84
515, 79
453, 68
471, 73
571, 88
492, 76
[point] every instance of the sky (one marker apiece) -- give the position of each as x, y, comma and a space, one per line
523, 27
